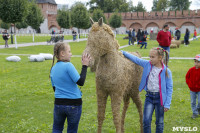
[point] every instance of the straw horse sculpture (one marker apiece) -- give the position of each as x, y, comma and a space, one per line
116, 76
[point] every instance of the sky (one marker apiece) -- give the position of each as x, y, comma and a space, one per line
147, 3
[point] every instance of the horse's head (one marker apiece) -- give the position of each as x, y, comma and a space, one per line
101, 40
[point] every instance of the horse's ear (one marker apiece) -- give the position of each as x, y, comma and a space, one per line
100, 22
91, 21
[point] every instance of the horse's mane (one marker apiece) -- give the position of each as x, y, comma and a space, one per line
96, 27
105, 28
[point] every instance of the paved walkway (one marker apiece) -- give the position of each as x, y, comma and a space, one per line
34, 44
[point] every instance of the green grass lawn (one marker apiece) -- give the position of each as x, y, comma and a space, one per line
26, 95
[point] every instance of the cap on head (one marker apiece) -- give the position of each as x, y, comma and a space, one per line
197, 57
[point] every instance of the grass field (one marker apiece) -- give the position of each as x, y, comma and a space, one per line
28, 38
26, 95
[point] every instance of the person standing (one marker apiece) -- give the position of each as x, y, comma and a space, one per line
164, 38
133, 36
186, 37
6, 36
65, 80
177, 34
193, 81
129, 36
158, 84
195, 35
74, 35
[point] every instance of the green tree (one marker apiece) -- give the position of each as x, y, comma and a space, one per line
154, 7
109, 5
109, 8
97, 14
140, 7
34, 17
131, 7
115, 20
80, 16
64, 18
21, 25
13, 11
5, 25
179, 4
162, 5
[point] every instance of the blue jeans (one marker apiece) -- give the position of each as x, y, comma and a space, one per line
152, 102
193, 96
165, 48
73, 115
130, 41
143, 43
74, 37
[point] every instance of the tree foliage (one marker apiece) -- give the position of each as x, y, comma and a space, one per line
13, 11
80, 16
64, 18
162, 5
34, 17
5, 25
131, 8
115, 20
154, 7
140, 7
21, 25
179, 4
97, 14
109, 5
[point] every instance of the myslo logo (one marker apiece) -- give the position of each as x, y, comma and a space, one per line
189, 129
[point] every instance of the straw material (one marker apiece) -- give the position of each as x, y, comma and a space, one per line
116, 76
173, 46
177, 42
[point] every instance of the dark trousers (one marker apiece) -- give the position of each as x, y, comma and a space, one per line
73, 115
6, 43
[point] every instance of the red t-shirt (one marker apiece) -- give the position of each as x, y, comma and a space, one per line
195, 33
193, 79
164, 38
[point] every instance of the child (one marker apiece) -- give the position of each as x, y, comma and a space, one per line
193, 82
157, 81
64, 79
195, 35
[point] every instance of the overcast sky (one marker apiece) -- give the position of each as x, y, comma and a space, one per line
147, 3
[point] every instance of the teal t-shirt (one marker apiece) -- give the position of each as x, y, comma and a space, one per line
64, 77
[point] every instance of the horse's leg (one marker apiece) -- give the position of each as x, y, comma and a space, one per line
101, 101
116, 99
126, 104
136, 99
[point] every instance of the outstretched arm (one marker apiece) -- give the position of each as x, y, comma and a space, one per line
135, 59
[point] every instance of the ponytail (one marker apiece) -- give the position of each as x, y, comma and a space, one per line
166, 60
52, 65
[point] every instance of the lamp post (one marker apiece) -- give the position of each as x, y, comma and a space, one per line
11, 34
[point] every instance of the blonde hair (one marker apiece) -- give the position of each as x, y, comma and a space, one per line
58, 47
164, 54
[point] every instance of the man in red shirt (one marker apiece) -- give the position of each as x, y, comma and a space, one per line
164, 38
193, 82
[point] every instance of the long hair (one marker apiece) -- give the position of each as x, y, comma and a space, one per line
58, 47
